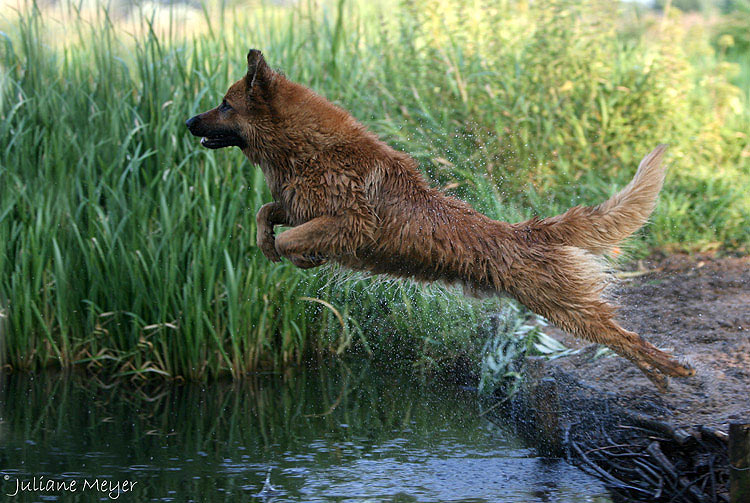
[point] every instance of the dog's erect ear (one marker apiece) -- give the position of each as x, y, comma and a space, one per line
258, 71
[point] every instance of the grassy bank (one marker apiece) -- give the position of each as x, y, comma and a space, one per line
124, 245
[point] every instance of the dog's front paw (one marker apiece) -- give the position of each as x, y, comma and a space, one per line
267, 244
307, 261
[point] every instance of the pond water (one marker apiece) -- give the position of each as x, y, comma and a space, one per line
345, 435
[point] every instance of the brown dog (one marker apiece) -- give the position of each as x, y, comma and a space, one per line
352, 199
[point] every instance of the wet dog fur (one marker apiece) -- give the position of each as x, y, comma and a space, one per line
350, 198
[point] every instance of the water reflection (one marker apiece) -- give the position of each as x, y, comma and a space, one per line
348, 435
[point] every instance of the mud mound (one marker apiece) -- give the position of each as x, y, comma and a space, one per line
696, 307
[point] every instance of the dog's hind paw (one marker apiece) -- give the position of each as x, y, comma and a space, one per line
668, 364
660, 380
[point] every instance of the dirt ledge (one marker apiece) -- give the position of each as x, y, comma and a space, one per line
696, 307
606, 417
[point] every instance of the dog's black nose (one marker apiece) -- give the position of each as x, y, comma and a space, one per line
191, 122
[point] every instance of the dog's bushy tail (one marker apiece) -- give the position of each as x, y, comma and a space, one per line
598, 228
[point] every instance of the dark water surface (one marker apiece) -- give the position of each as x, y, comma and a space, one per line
348, 435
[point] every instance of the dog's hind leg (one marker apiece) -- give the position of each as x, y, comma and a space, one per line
568, 293
595, 322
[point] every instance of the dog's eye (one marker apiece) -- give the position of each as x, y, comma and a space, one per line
224, 107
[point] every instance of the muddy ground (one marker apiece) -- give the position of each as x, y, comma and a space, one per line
697, 307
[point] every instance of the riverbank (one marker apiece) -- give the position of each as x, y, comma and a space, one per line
605, 416
698, 307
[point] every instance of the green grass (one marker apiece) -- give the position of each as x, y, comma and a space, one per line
125, 246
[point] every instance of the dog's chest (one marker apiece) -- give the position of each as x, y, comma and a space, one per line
302, 199
274, 180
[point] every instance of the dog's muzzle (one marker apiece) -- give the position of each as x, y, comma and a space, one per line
213, 137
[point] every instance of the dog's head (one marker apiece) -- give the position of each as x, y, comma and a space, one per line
245, 112
272, 118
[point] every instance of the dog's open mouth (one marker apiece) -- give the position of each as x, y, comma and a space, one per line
226, 140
